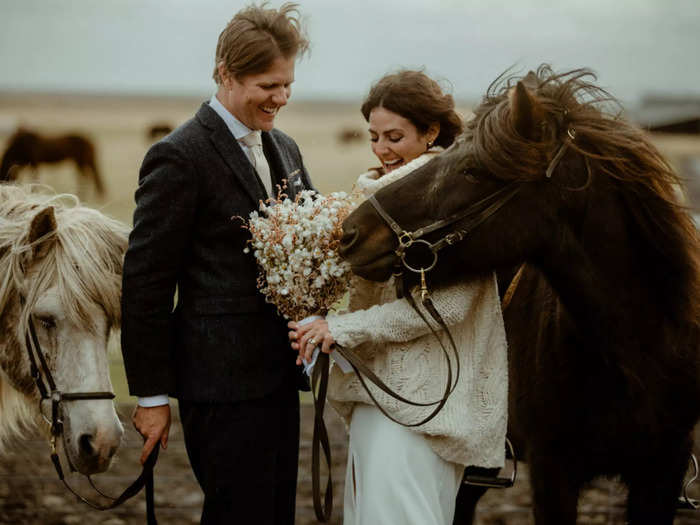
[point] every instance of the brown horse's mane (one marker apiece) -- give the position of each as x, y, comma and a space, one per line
613, 147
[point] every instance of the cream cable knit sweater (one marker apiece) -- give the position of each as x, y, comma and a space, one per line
398, 346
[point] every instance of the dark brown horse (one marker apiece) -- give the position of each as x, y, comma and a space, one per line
603, 326
27, 148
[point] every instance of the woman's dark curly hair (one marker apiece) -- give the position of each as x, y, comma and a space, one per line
418, 98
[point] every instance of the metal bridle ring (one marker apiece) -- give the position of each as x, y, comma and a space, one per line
419, 270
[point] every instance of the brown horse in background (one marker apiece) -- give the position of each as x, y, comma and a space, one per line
27, 148
604, 326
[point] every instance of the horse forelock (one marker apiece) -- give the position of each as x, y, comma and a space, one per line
614, 148
83, 263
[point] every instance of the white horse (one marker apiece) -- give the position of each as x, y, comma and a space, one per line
60, 264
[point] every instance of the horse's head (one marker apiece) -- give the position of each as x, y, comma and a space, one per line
542, 174
494, 180
64, 275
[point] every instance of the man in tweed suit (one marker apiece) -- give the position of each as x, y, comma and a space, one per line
221, 351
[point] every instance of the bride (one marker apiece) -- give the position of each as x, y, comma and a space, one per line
399, 475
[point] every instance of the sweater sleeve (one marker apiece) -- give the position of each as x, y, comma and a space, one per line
396, 321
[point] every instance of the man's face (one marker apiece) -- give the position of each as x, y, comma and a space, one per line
256, 99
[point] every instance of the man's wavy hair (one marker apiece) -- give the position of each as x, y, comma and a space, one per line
256, 36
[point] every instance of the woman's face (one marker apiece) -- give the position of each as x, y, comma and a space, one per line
395, 140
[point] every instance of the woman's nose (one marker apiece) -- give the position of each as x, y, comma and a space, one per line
381, 147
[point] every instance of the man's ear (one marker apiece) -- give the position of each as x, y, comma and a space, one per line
224, 75
42, 225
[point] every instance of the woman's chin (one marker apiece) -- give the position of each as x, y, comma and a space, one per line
392, 167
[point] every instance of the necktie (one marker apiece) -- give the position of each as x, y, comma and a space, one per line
254, 142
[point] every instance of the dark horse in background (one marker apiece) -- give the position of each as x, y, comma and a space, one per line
603, 325
27, 148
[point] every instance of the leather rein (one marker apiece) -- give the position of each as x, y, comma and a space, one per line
45, 384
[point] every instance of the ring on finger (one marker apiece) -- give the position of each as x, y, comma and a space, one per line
312, 341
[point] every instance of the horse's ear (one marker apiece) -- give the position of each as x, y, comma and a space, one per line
526, 112
530, 80
42, 224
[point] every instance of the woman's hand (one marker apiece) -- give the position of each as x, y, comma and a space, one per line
307, 337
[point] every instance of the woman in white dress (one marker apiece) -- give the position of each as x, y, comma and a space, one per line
395, 474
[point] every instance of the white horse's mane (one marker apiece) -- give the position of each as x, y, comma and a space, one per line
83, 260
16, 414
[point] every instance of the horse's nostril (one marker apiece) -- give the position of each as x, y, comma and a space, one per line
86, 446
347, 240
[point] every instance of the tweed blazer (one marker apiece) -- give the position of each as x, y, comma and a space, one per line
219, 341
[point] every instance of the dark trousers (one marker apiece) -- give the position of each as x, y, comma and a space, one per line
244, 455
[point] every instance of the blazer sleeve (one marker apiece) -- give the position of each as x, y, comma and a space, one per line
163, 221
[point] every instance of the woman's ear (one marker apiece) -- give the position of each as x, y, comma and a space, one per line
432, 134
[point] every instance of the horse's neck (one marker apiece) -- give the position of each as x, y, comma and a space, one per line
598, 274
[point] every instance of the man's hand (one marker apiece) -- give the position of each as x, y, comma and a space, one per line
153, 423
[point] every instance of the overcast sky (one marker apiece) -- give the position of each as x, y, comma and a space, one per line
167, 46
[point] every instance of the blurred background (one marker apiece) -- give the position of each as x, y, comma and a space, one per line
121, 73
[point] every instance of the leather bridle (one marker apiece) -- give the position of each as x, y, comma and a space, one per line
45, 384
475, 214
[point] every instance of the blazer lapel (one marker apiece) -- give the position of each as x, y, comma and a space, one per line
232, 153
278, 164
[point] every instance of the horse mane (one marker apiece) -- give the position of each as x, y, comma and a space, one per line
612, 147
17, 412
83, 262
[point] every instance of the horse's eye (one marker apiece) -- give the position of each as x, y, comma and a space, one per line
470, 178
47, 322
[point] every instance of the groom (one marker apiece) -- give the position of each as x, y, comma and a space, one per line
222, 351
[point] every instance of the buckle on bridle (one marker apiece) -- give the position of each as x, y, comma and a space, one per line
403, 243
454, 237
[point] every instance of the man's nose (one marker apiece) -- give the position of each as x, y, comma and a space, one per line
280, 98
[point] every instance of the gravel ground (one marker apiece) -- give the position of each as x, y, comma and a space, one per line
30, 492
